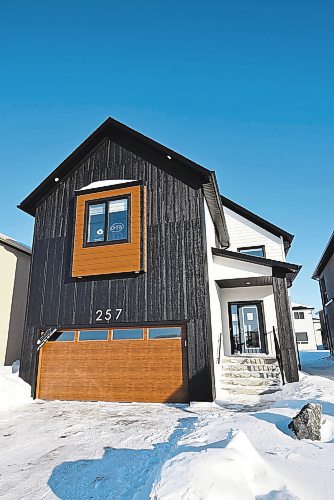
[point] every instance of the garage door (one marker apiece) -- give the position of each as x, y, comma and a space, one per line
123, 364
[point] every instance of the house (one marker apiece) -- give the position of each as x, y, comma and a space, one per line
307, 328
324, 273
14, 277
145, 282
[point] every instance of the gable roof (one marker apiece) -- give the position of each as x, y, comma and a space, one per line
259, 221
5, 240
141, 145
327, 254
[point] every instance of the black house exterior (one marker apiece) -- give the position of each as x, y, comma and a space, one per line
324, 273
119, 287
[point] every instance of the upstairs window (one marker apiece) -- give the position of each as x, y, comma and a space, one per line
107, 221
299, 315
255, 251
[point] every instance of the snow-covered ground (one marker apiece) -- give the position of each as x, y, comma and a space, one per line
73, 450
317, 363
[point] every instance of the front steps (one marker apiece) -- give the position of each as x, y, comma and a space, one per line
250, 375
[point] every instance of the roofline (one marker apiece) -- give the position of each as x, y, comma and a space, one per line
259, 221
286, 267
326, 255
117, 131
15, 244
28, 205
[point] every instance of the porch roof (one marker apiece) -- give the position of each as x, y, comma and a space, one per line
278, 268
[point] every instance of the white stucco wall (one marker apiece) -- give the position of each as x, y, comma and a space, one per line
244, 233
264, 293
317, 331
305, 325
214, 291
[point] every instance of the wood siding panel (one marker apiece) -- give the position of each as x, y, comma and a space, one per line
174, 288
118, 370
112, 258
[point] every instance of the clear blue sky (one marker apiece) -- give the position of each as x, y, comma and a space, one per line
243, 87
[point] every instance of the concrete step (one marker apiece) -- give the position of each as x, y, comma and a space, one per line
250, 368
272, 375
249, 360
254, 382
249, 390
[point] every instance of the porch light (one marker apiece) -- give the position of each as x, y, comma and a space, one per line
248, 282
56, 179
169, 157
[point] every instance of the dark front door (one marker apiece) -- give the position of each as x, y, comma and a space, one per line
247, 328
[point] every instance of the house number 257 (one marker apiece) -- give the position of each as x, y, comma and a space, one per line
107, 314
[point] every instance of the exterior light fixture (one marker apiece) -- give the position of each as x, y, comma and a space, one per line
56, 179
169, 157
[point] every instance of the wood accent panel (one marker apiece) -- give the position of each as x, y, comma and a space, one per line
114, 370
109, 258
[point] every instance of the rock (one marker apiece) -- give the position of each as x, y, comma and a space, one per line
307, 423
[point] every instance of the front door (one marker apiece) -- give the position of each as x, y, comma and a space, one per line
247, 328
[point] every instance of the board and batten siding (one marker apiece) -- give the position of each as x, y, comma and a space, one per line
174, 288
244, 233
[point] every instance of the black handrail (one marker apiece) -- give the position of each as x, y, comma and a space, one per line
278, 355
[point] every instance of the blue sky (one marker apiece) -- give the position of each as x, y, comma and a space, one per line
243, 87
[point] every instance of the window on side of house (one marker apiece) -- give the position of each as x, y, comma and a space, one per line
255, 251
299, 315
107, 221
302, 337
323, 290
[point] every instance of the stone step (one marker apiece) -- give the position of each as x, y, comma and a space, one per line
249, 360
249, 368
251, 382
250, 390
254, 374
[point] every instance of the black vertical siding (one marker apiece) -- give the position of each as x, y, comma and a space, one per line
174, 288
285, 329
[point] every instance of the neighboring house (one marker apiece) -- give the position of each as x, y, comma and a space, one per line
14, 277
307, 337
324, 273
144, 279
318, 332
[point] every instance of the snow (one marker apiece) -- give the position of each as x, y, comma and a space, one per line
82, 450
317, 363
14, 391
111, 182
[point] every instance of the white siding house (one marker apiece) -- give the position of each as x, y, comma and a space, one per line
307, 336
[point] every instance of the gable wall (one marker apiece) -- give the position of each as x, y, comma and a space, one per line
244, 233
173, 288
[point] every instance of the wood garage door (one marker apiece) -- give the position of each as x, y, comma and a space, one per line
123, 364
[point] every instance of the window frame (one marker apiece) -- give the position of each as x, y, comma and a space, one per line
105, 201
299, 315
253, 247
302, 341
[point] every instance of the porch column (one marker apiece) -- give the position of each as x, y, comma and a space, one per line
284, 326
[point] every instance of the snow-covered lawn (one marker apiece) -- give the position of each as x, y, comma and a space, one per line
317, 363
73, 450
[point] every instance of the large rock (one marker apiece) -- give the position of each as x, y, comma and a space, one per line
307, 423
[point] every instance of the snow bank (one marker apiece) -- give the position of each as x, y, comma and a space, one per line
13, 390
227, 469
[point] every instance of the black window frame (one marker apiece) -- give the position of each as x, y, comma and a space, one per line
299, 315
255, 247
302, 341
106, 201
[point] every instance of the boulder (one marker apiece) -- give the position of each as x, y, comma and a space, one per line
307, 423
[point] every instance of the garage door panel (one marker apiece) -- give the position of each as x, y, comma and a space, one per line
114, 370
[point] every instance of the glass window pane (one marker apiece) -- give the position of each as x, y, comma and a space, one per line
62, 337
128, 334
118, 219
96, 223
257, 252
164, 333
93, 335
302, 337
